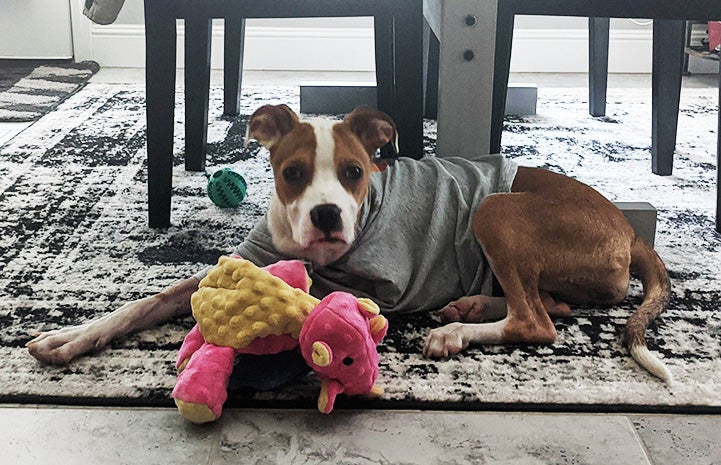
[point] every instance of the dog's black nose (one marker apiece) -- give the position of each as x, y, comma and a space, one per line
326, 217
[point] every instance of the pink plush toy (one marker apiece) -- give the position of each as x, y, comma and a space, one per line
242, 309
338, 341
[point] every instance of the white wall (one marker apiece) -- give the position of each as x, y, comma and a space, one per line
541, 44
36, 29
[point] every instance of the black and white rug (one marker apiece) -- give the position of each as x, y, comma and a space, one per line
74, 244
29, 90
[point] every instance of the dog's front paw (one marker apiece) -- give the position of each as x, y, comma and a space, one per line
446, 341
59, 347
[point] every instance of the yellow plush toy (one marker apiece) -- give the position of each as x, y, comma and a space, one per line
237, 303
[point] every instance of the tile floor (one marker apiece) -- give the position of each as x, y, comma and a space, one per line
51, 435
110, 436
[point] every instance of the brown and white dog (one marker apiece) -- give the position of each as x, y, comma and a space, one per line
546, 250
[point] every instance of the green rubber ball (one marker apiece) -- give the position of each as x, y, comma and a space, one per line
226, 188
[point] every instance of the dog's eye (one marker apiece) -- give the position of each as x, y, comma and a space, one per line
353, 173
292, 174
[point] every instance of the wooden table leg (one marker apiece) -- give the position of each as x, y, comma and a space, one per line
385, 96
718, 161
198, 30
160, 36
502, 70
464, 118
598, 37
431, 50
668, 37
383, 39
408, 66
234, 39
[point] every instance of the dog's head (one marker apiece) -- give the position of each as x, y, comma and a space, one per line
322, 175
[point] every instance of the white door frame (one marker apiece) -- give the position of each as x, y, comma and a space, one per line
81, 31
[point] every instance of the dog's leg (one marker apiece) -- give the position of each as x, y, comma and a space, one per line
527, 319
538, 243
61, 346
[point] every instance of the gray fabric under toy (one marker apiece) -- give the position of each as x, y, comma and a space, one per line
415, 249
102, 11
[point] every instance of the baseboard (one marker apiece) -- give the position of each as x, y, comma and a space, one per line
344, 49
267, 48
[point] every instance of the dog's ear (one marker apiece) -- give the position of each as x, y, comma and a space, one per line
270, 123
373, 128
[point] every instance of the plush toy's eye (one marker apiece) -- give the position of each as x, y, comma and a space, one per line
348, 361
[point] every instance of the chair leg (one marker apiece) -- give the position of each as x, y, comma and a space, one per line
408, 65
718, 161
504, 40
385, 97
668, 50
431, 59
234, 38
686, 43
598, 34
160, 36
197, 86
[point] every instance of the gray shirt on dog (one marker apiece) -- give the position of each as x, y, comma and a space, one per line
415, 249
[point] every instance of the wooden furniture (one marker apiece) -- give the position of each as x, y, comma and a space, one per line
598, 42
399, 33
470, 122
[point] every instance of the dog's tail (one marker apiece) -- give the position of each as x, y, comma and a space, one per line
648, 267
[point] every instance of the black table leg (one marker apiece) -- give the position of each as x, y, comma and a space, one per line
160, 36
431, 63
718, 161
385, 98
408, 67
197, 85
234, 39
598, 35
504, 40
668, 51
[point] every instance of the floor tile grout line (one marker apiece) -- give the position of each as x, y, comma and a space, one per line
639, 440
215, 446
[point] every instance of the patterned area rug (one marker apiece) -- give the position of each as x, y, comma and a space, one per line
28, 91
74, 244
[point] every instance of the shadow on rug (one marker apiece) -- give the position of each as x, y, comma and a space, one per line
29, 88
74, 244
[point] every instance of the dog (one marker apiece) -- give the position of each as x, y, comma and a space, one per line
549, 240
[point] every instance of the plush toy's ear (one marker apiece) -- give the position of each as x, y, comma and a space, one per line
376, 391
368, 306
270, 123
379, 328
322, 354
373, 128
378, 323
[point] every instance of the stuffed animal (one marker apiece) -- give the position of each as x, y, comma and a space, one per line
243, 309
338, 340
